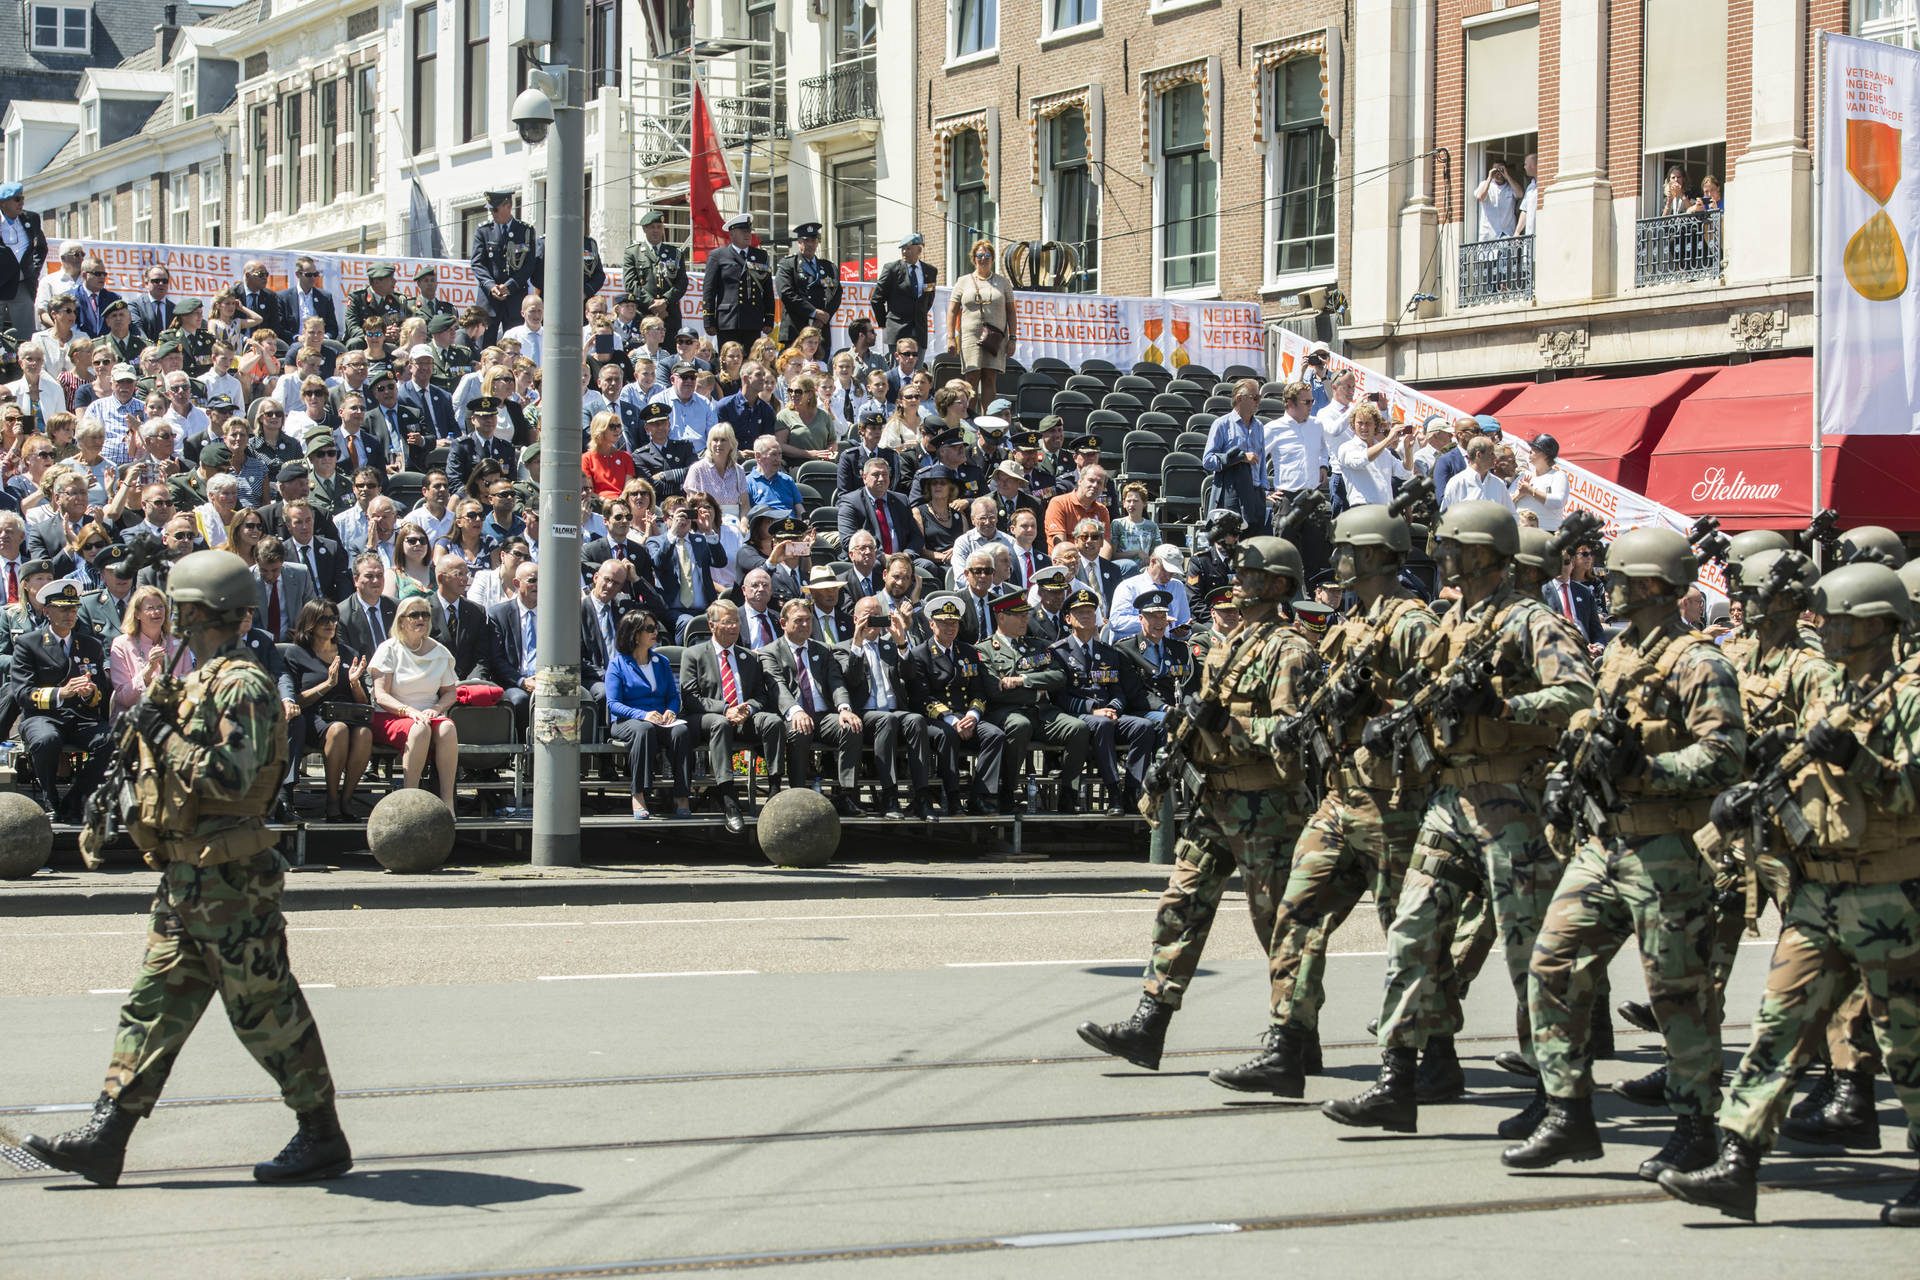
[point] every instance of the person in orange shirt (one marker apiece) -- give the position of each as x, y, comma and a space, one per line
1069, 509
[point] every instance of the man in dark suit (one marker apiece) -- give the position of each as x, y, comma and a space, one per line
876, 508
514, 644
661, 460
727, 694
737, 291
832, 606
975, 598
502, 257
1167, 669
459, 623
306, 298
621, 543
62, 686
1104, 689
431, 407
23, 255
808, 287
874, 666
366, 616
854, 458
284, 588
92, 299
601, 608
654, 274
1575, 601
297, 524
815, 706
865, 572
682, 566
903, 295
483, 415
256, 297
947, 684
153, 310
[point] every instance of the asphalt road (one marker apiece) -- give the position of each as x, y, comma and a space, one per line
885, 1086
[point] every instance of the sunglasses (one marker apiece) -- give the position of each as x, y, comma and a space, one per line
252, 528
93, 546
325, 453
271, 414
43, 453
93, 273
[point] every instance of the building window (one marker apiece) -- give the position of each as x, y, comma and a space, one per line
1301, 167
189, 92
1894, 22
257, 167
1189, 186
1511, 153
973, 211
425, 44
1073, 201
976, 26
290, 152
473, 80
1064, 15
767, 201
180, 209
767, 85
856, 31
471, 220
213, 198
1693, 164
1502, 118
366, 128
82, 217
603, 43
59, 28
326, 139
854, 222
109, 217
142, 212
90, 125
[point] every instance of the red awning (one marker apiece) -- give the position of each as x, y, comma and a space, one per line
1607, 425
1486, 399
1740, 448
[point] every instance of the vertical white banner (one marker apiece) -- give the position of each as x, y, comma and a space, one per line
1869, 158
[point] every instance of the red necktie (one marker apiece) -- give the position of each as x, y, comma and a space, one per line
886, 525
1029, 573
1566, 594
353, 452
13, 584
273, 609
729, 687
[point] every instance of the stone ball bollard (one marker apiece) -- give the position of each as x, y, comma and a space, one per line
26, 836
798, 828
410, 832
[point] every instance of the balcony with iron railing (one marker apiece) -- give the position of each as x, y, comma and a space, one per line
845, 95
1671, 250
1496, 271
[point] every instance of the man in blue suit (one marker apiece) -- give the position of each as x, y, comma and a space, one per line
682, 565
306, 298
514, 642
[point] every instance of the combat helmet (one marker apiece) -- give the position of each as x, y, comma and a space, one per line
1874, 543
1536, 551
1482, 524
1796, 574
1653, 552
1372, 525
1225, 524
218, 581
1753, 542
1271, 555
1862, 590
1910, 574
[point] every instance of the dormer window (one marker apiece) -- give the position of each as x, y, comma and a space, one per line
61, 28
188, 94
90, 125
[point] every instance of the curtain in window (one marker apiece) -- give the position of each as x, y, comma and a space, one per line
1155, 83
944, 132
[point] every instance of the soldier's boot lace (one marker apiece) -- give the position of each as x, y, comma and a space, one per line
1520, 1126
1139, 1039
1639, 1016
318, 1150
1440, 1078
1690, 1147
1279, 1068
1904, 1212
1566, 1132
1728, 1184
1649, 1090
1390, 1104
1817, 1097
96, 1150
1848, 1119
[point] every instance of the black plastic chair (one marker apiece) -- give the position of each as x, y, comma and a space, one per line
1193, 442
1168, 402
1141, 456
1054, 367
1112, 428
1235, 372
1159, 374
1086, 384
1073, 408
1127, 406
1164, 425
1198, 374
1217, 405
1182, 481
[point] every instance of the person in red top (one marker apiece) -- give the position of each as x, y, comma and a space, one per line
1069, 509
606, 467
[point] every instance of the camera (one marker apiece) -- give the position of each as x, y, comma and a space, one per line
533, 116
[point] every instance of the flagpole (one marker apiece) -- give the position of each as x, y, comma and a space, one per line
1819, 255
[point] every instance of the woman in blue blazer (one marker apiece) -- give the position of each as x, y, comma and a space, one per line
643, 706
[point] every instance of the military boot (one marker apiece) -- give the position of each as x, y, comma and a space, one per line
1600, 1037
1817, 1097
1440, 1078
1516, 1062
1566, 1132
1689, 1148
318, 1150
1639, 1016
96, 1150
1390, 1104
1649, 1090
1279, 1068
1139, 1039
1848, 1119
1310, 1061
1904, 1212
1727, 1185
1520, 1126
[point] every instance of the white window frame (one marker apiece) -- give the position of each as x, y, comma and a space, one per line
1477, 169
109, 216
83, 219
213, 191
143, 213
187, 92
1295, 281
180, 208
1087, 26
90, 125
60, 44
1902, 30
955, 58
1209, 293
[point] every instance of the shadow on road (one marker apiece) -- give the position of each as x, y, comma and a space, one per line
444, 1188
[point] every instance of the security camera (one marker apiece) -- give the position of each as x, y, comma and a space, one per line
533, 116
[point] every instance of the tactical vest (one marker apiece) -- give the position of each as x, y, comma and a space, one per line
1640, 682
1847, 826
1359, 767
1232, 677
1506, 747
175, 823
1764, 697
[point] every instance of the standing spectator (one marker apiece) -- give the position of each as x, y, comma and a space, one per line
1530, 202
1712, 198
643, 711
1673, 195
1575, 601
902, 297
414, 686
1439, 438
1378, 455
24, 291
1297, 459
305, 301
92, 297
981, 322
1451, 463
153, 310
1477, 483
1499, 204
61, 314
1544, 492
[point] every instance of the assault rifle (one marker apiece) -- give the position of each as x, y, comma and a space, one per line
1316, 732
1707, 541
1415, 498
1579, 796
1172, 768
1311, 505
107, 808
1397, 734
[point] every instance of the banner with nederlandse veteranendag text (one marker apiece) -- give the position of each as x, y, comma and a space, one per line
1869, 156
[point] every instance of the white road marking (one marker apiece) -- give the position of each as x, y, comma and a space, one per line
610, 977
110, 991
316, 986
1018, 964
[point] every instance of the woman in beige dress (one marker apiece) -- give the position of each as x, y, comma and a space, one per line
979, 299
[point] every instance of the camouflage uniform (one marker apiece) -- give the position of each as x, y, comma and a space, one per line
1481, 833
216, 925
365, 306
1248, 816
1647, 879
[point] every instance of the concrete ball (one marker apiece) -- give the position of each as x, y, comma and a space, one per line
798, 828
26, 836
410, 831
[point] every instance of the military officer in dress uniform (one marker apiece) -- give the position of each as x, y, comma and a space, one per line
426, 301
1210, 571
1166, 664
903, 295
654, 274
63, 689
738, 297
125, 341
809, 289
189, 335
374, 304
1103, 688
1020, 675
593, 276
947, 684
502, 256
453, 360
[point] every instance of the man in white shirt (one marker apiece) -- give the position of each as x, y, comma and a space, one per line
1499, 204
188, 419
1544, 491
1529, 203
1335, 418
1477, 483
985, 516
1297, 457
1379, 454
434, 514
1166, 571
527, 332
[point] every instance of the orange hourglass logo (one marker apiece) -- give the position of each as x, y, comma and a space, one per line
1152, 323
1874, 260
1182, 329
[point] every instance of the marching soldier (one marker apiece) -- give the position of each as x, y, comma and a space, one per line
426, 301
502, 256
1103, 689
737, 302
1501, 679
809, 289
374, 304
654, 274
211, 764
1248, 816
1852, 778
950, 686
1020, 675
1737, 643
1210, 571
1668, 731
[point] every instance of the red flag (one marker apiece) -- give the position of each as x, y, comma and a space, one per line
707, 174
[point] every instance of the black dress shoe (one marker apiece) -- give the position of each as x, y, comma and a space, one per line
730, 806
846, 806
923, 808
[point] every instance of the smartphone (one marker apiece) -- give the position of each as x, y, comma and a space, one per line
604, 344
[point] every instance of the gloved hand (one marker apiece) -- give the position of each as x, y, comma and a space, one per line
1351, 695
152, 722
1765, 751
1620, 747
1556, 801
1472, 695
1832, 744
1377, 737
1732, 809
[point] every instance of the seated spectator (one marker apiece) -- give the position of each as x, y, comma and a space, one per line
722, 537
663, 461
1066, 510
606, 467
1166, 574
730, 698
853, 459
324, 670
515, 641
144, 649
806, 429
940, 528
1134, 535
413, 688
244, 533
815, 706
491, 586
412, 570
769, 486
718, 473
643, 711
63, 689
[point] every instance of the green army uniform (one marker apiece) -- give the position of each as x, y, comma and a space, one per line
196, 350
450, 364
365, 306
125, 350
427, 308
1025, 714
651, 273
